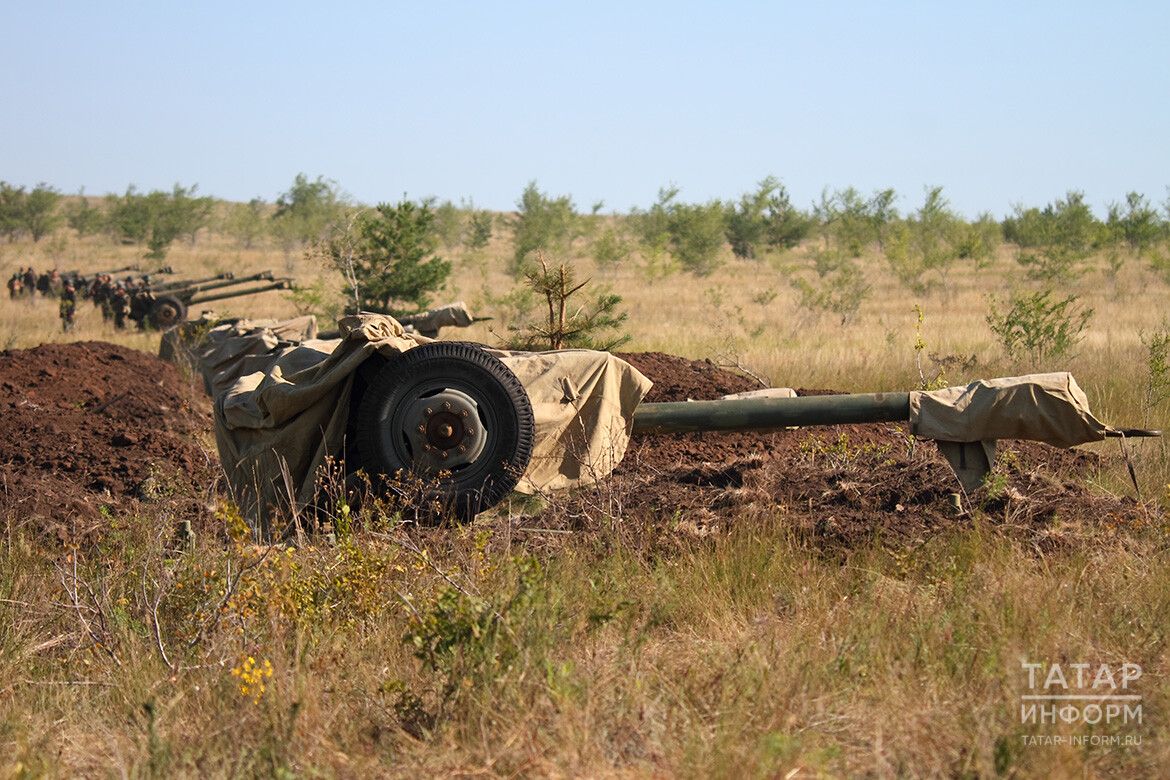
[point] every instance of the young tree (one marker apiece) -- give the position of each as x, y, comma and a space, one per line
82, 216
39, 215
128, 216
568, 325
479, 231
1138, 224
694, 233
156, 218
1054, 241
245, 222
926, 242
765, 217
305, 211
852, 221
388, 257
12, 198
542, 223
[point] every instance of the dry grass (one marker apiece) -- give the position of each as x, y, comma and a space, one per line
596, 654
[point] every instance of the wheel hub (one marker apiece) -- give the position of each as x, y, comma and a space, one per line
444, 430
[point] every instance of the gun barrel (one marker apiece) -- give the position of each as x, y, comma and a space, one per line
279, 284
763, 414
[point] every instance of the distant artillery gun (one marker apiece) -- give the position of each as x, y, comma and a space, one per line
170, 308
81, 282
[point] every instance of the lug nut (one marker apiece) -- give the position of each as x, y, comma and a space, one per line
464, 413
422, 429
447, 405
428, 411
443, 455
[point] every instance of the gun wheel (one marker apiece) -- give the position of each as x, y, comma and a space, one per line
167, 312
453, 415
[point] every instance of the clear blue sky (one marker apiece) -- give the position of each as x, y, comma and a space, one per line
999, 102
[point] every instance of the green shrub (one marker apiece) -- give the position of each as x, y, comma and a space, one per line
852, 221
448, 224
84, 217
765, 217
157, 218
611, 248
544, 224
1057, 238
840, 292
1038, 325
306, 211
693, 233
479, 229
926, 242
1138, 225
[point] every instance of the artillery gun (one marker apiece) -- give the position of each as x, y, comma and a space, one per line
170, 308
455, 415
82, 281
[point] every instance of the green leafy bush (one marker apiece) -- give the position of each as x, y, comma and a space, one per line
840, 291
306, 211
84, 217
33, 212
479, 229
924, 244
157, 218
1038, 325
852, 221
1137, 224
693, 232
542, 223
765, 217
1054, 241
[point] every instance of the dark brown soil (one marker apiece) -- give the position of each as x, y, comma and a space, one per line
91, 425
843, 484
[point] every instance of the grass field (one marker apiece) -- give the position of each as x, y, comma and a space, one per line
498, 650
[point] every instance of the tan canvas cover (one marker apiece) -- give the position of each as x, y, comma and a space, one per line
453, 315
217, 351
1049, 408
276, 425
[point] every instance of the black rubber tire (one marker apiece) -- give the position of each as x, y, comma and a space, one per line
504, 408
167, 312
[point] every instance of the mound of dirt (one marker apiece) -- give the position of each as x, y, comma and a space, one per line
841, 484
91, 425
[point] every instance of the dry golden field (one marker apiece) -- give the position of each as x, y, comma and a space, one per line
599, 649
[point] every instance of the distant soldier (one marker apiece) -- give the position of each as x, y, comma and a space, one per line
67, 308
55, 286
120, 303
15, 285
102, 292
44, 284
30, 282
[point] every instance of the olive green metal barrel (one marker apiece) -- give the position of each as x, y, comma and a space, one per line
278, 284
763, 414
190, 291
179, 284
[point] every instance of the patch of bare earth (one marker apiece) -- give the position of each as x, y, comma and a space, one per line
91, 425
